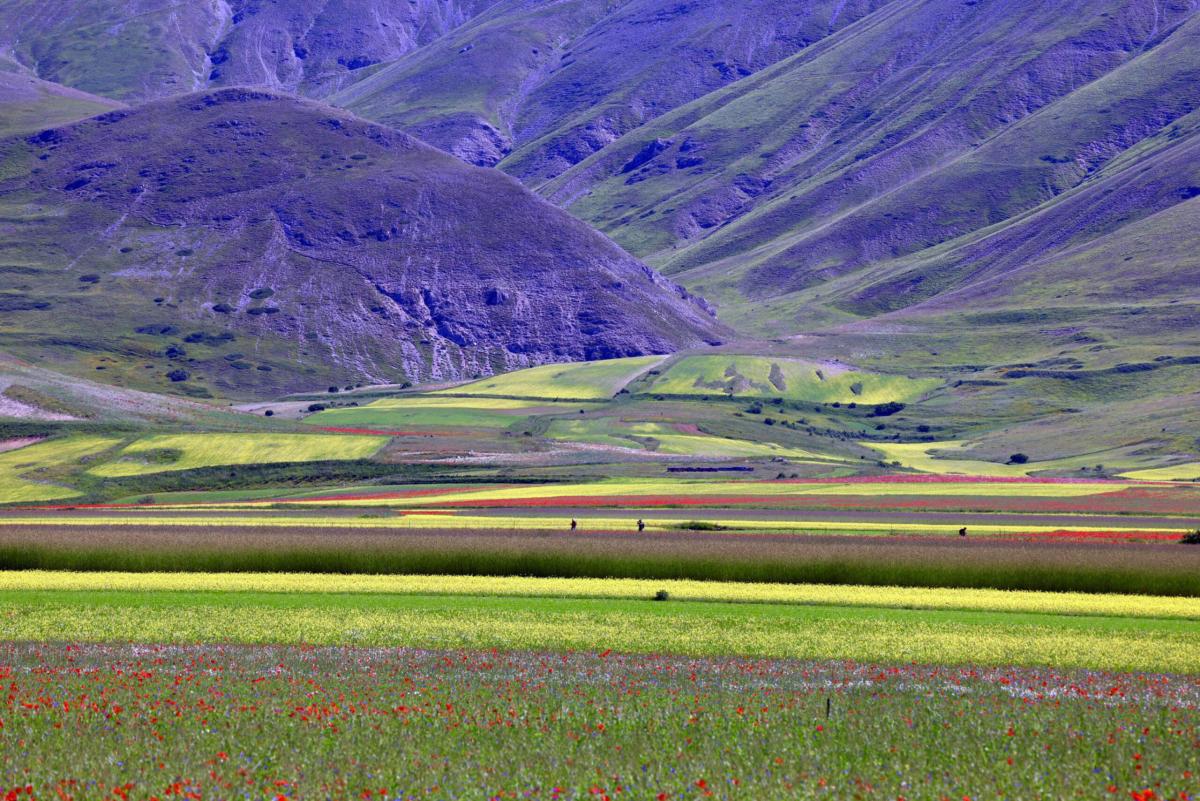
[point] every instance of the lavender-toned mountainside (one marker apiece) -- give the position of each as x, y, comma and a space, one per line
241, 226
875, 175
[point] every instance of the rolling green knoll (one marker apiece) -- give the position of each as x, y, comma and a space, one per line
763, 377
690, 628
598, 380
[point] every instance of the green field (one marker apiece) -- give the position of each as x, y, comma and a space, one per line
29, 473
677, 440
598, 380
190, 451
271, 722
436, 412
792, 379
694, 628
1179, 472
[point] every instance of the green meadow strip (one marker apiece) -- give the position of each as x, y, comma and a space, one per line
545, 624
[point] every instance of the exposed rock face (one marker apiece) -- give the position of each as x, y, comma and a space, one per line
325, 240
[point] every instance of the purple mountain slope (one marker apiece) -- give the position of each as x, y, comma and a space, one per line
240, 227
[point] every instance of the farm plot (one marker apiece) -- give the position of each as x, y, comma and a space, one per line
1052, 603
166, 452
341, 546
29, 473
667, 438
692, 628
762, 377
428, 412
270, 722
599, 380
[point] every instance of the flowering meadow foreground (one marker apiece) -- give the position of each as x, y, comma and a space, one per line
145, 722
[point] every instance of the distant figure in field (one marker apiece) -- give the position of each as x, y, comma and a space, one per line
641, 525
962, 532
574, 524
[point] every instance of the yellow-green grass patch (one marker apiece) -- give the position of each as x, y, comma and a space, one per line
931, 457
167, 452
598, 625
1180, 472
764, 377
19, 469
983, 600
668, 439
598, 380
429, 411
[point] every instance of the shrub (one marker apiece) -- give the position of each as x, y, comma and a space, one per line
662, 595
1191, 538
178, 375
887, 409
701, 525
316, 407
1018, 458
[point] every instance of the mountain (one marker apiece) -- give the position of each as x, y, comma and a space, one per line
542, 86
919, 124
137, 50
246, 241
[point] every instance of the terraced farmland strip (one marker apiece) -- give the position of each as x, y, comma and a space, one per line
692, 629
1141, 606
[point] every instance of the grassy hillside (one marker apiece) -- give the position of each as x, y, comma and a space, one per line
591, 381
543, 86
29, 104
139, 50
762, 377
244, 243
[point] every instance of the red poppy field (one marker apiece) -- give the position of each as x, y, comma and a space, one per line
146, 722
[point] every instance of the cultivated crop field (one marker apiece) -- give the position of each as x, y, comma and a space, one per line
271, 722
644, 578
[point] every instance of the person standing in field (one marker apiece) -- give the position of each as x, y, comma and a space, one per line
641, 525
574, 524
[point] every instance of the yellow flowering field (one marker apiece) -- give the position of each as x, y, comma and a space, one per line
1057, 603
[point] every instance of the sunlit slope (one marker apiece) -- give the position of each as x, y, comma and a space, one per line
765, 377
589, 381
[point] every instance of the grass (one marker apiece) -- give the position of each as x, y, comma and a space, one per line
441, 518
762, 377
1168, 569
329, 723
27, 474
669, 439
929, 457
167, 452
598, 380
633, 626
429, 411
1091, 604
1179, 472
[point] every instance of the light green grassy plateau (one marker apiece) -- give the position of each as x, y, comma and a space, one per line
764, 377
588, 381
668, 439
435, 412
189, 451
